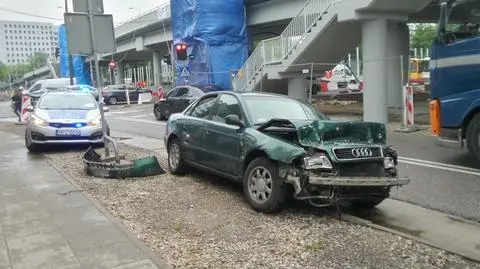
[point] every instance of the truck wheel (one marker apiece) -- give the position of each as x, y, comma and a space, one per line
264, 190
473, 137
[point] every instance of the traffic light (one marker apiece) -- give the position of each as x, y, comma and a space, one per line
167, 59
181, 49
57, 52
112, 65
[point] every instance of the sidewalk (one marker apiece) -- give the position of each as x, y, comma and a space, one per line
47, 222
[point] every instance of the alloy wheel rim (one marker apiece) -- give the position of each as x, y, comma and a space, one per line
260, 183
174, 156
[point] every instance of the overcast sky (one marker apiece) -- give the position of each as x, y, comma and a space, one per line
121, 10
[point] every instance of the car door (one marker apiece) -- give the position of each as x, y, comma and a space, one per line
166, 105
133, 93
120, 93
193, 130
222, 141
181, 100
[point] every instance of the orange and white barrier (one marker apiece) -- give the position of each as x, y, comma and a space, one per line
26, 102
408, 111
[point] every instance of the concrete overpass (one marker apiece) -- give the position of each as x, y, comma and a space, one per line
300, 32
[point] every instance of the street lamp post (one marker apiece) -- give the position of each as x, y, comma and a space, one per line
70, 58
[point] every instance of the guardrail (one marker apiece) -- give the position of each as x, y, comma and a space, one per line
143, 19
275, 50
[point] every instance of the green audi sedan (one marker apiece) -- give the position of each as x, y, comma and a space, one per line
277, 146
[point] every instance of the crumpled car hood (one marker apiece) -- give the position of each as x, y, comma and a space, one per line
317, 132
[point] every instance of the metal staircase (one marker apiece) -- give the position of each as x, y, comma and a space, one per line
276, 51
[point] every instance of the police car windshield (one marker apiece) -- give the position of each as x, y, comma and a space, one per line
67, 102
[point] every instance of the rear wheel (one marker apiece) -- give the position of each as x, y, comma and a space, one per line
175, 160
31, 146
264, 190
473, 137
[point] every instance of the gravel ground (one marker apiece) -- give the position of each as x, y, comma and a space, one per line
200, 221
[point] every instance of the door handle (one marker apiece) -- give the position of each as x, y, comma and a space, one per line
207, 132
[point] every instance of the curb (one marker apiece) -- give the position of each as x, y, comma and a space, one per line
161, 264
367, 223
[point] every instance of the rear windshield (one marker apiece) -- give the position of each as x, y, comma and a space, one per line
67, 102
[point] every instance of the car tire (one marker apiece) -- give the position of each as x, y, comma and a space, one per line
32, 147
473, 137
112, 100
261, 176
367, 203
176, 164
158, 113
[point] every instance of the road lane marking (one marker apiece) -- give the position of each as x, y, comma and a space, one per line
445, 168
441, 164
140, 116
124, 112
141, 120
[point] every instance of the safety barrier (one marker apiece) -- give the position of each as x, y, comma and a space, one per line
26, 102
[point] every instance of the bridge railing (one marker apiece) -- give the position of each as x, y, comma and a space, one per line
275, 50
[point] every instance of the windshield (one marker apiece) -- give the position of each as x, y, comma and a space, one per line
265, 108
67, 102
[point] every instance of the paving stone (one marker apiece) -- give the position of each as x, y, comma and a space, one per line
59, 257
145, 264
106, 256
82, 219
23, 212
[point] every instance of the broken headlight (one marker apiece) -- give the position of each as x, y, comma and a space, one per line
390, 159
319, 161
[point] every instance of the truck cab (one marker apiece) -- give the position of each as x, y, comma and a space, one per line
455, 76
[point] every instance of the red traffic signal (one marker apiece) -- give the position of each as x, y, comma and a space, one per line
181, 50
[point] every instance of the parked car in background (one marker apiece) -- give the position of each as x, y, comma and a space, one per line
210, 88
275, 145
40, 87
64, 117
116, 94
176, 101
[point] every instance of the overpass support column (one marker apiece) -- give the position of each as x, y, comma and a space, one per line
398, 44
297, 88
374, 46
157, 69
119, 79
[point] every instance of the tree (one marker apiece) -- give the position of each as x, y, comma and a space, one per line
423, 36
3, 72
37, 60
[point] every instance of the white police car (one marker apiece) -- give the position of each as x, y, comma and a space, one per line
65, 117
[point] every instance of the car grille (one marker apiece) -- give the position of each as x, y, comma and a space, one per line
67, 125
361, 169
344, 154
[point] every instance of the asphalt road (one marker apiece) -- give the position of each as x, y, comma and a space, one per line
443, 179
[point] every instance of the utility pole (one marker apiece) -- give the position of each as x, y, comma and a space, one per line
98, 80
70, 58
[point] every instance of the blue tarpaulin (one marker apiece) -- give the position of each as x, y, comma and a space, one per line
216, 34
81, 70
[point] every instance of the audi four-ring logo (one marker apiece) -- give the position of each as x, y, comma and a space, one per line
362, 152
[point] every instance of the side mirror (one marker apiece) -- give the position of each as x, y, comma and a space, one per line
234, 120
29, 109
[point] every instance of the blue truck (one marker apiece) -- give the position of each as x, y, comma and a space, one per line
455, 76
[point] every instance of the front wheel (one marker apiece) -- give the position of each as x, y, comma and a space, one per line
473, 137
264, 190
112, 100
32, 147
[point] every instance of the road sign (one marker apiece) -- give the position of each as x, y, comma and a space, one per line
82, 6
78, 33
185, 73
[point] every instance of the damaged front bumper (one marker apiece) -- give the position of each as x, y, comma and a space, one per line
357, 181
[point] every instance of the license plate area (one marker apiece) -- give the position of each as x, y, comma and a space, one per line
67, 132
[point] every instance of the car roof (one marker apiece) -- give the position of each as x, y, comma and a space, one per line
67, 93
254, 94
